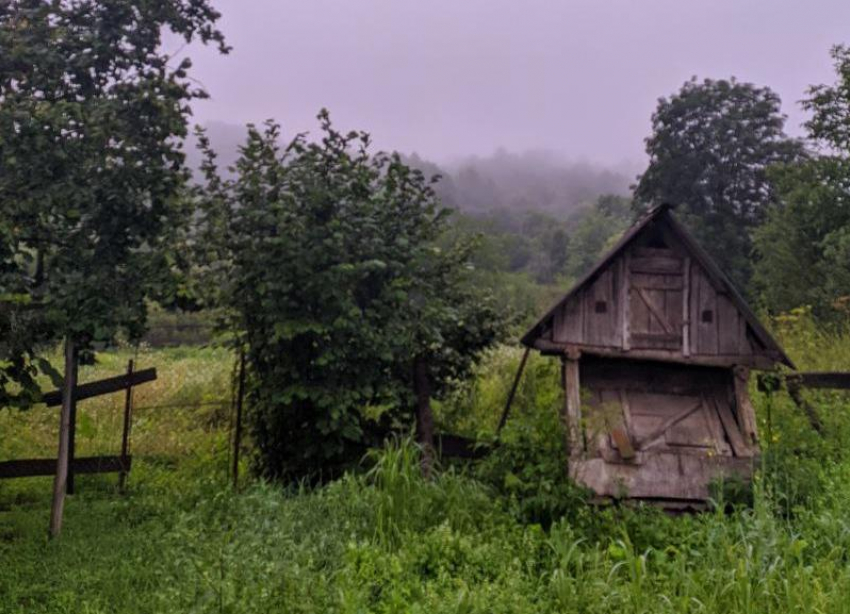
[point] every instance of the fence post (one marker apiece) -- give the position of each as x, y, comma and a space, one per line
125, 434
72, 433
60, 480
237, 436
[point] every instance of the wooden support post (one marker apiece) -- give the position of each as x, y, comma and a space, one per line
61, 478
512, 393
237, 435
686, 308
125, 433
72, 435
572, 405
745, 410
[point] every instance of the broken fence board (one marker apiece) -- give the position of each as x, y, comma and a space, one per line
821, 379
104, 386
730, 425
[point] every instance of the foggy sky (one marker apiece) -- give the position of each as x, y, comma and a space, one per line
449, 78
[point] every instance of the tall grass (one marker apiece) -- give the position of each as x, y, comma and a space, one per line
389, 541
506, 535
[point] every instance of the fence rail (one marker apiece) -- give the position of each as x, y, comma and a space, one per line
32, 467
47, 466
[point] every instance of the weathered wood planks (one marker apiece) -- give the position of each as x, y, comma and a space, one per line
104, 386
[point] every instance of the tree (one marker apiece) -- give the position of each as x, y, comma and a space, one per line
710, 149
804, 246
829, 125
351, 315
18, 334
91, 113
92, 110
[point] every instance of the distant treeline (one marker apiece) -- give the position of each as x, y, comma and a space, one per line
534, 180
540, 220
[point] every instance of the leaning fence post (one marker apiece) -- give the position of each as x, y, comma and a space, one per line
61, 478
125, 434
72, 434
237, 435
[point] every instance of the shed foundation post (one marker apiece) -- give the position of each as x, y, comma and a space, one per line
572, 405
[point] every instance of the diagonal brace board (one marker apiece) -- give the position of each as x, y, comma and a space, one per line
653, 309
667, 424
104, 386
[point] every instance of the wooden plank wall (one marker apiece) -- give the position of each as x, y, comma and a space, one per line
592, 316
717, 327
656, 304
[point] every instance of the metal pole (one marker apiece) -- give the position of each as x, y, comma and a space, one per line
512, 393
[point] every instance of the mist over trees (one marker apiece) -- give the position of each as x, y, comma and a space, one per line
534, 180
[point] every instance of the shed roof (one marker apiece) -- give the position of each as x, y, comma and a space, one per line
718, 278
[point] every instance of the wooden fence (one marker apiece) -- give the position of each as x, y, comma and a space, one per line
94, 464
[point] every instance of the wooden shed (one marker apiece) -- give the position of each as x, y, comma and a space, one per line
657, 347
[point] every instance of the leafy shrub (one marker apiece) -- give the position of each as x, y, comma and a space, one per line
323, 258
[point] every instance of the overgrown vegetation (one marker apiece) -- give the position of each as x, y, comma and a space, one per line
509, 534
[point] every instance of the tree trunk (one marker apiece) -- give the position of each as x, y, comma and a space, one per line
424, 417
237, 434
60, 480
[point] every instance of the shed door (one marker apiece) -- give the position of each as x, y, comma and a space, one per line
656, 298
641, 408
639, 422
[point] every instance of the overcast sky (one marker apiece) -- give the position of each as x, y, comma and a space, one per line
448, 78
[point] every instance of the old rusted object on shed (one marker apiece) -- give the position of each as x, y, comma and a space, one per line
657, 347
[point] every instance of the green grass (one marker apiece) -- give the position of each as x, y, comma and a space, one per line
508, 535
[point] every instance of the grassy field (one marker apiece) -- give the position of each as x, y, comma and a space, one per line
508, 535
